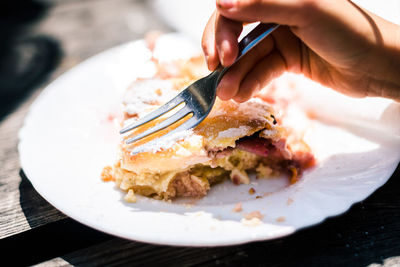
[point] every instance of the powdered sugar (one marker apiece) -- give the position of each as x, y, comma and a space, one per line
234, 132
145, 95
168, 141
254, 108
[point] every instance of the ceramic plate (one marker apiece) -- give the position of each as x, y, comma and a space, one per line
71, 133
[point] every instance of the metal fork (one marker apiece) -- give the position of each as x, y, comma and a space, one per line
199, 97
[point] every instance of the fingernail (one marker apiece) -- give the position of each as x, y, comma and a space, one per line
226, 3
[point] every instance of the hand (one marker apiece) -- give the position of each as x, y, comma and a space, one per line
333, 42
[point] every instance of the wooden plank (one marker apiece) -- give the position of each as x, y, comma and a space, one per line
60, 262
20, 206
48, 241
83, 28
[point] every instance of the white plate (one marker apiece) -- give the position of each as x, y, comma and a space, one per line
70, 135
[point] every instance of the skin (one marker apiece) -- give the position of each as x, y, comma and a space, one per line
333, 42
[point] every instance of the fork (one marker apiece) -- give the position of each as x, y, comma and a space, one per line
199, 97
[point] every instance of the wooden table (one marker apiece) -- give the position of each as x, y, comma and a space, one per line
369, 233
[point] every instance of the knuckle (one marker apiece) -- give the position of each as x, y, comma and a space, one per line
308, 7
308, 3
251, 3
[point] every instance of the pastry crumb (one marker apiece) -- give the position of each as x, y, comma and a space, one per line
254, 214
107, 174
238, 207
281, 219
252, 191
239, 177
289, 201
158, 92
130, 197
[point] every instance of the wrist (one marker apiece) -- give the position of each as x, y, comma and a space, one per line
385, 61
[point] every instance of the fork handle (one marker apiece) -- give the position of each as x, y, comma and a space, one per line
258, 34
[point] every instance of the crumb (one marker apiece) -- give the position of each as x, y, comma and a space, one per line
251, 222
158, 92
238, 207
258, 196
267, 194
130, 196
252, 191
239, 177
188, 206
235, 180
294, 175
254, 214
107, 174
289, 201
281, 219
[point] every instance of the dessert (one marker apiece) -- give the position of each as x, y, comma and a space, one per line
234, 141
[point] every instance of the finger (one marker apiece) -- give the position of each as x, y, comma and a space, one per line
291, 49
208, 44
226, 39
286, 12
229, 85
267, 69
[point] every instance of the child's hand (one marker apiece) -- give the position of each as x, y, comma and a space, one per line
333, 42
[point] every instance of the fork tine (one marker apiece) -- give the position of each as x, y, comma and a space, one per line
162, 125
190, 123
155, 114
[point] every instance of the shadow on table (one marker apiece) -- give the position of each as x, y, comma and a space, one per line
26, 59
52, 233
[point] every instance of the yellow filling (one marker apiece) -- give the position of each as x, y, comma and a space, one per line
194, 181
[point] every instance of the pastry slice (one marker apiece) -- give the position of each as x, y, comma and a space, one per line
234, 141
